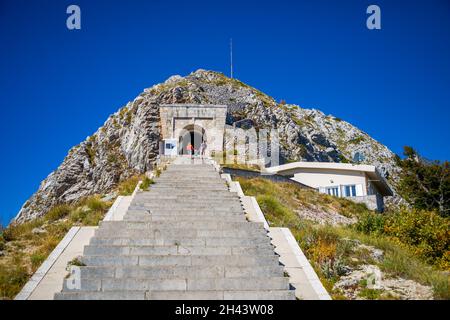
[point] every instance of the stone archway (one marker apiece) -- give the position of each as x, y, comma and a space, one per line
193, 134
206, 120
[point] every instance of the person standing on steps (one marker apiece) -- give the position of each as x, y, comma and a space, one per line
203, 148
190, 149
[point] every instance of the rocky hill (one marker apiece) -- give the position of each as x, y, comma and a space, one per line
127, 143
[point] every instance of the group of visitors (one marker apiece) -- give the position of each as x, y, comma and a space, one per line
200, 151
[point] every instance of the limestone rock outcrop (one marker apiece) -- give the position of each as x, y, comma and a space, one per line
128, 142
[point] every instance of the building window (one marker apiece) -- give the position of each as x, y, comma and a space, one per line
333, 191
350, 191
170, 146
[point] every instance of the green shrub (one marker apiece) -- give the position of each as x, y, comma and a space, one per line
37, 259
126, 187
146, 183
357, 140
78, 214
242, 166
76, 262
92, 218
370, 223
370, 294
58, 212
276, 213
96, 204
441, 285
426, 232
270, 205
90, 211
2, 243
424, 184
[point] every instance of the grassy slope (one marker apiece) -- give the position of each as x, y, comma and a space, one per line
329, 248
24, 251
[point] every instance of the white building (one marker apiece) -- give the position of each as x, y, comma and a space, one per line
360, 183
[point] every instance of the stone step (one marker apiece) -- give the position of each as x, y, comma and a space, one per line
178, 295
193, 260
175, 198
188, 185
213, 241
173, 233
154, 196
197, 182
186, 171
179, 204
199, 195
222, 295
174, 284
99, 295
191, 201
199, 224
201, 183
187, 210
181, 188
206, 179
179, 272
208, 193
176, 250
175, 214
181, 218
180, 184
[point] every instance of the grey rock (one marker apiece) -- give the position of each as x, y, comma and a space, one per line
38, 231
109, 197
350, 285
376, 254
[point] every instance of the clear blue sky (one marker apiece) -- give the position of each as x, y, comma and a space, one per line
58, 86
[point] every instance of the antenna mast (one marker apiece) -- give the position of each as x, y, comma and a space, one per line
231, 57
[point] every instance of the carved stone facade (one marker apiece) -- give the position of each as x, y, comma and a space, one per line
190, 123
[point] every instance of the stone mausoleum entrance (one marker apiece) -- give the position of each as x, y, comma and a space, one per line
191, 134
184, 124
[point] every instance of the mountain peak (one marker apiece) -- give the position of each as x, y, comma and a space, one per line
128, 142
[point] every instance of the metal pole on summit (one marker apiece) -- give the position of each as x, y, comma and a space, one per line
231, 58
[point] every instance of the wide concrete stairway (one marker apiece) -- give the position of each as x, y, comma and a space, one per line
185, 238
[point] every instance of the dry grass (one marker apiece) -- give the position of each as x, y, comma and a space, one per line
126, 187
251, 167
25, 250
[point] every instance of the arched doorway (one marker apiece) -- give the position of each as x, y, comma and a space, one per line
193, 134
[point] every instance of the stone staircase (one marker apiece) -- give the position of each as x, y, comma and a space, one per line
185, 238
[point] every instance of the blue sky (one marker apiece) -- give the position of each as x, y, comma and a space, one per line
58, 86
